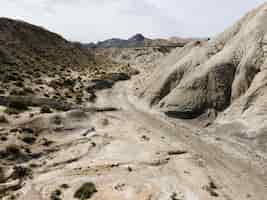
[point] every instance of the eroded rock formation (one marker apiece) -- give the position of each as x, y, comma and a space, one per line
227, 70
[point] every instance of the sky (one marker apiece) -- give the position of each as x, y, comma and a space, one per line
97, 20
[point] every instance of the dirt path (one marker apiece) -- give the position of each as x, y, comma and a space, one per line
237, 178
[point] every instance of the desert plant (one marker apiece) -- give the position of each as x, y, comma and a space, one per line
3, 119
18, 104
13, 150
17, 92
55, 195
29, 139
11, 111
65, 186
3, 138
45, 109
28, 90
2, 91
22, 172
85, 191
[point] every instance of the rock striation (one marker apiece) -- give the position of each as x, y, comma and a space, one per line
227, 71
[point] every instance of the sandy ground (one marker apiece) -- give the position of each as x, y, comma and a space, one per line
137, 153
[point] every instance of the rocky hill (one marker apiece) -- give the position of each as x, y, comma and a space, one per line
37, 62
20, 40
137, 40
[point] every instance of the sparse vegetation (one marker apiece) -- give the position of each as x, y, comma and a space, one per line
13, 150
3, 138
22, 172
86, 191
55, 195
12, 111
64, 186
211, 188
29, 139
18, 105
45, 109
57, 120
3, 119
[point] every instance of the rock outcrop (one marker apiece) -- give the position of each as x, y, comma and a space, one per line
227, 71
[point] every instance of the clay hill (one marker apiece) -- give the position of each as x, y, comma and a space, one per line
226, 72
138, 40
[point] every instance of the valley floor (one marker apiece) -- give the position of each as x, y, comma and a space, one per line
137, 153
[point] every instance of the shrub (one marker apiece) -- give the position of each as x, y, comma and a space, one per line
28, 90
12, 111
2, 91
65, 186
3, 119
17, 92
55, 195
45, 109
29, 139
22, 172
3, 138
19, 84
13, 150
85, 191
57, 120
18, 104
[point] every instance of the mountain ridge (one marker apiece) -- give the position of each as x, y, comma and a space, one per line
139, 40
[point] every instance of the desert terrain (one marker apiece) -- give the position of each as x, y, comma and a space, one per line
149, 122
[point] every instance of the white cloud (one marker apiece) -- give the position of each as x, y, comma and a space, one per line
91, 20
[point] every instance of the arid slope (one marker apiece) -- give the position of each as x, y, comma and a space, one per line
37, 62
228, 71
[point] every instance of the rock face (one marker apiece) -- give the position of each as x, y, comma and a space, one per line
226, 71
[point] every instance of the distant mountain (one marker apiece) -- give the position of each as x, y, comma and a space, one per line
137, 40
185, 40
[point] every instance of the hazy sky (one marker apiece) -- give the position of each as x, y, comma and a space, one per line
93, 20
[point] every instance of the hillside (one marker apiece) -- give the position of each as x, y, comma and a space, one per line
222, 81
35, 61
20, 40
214, 74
